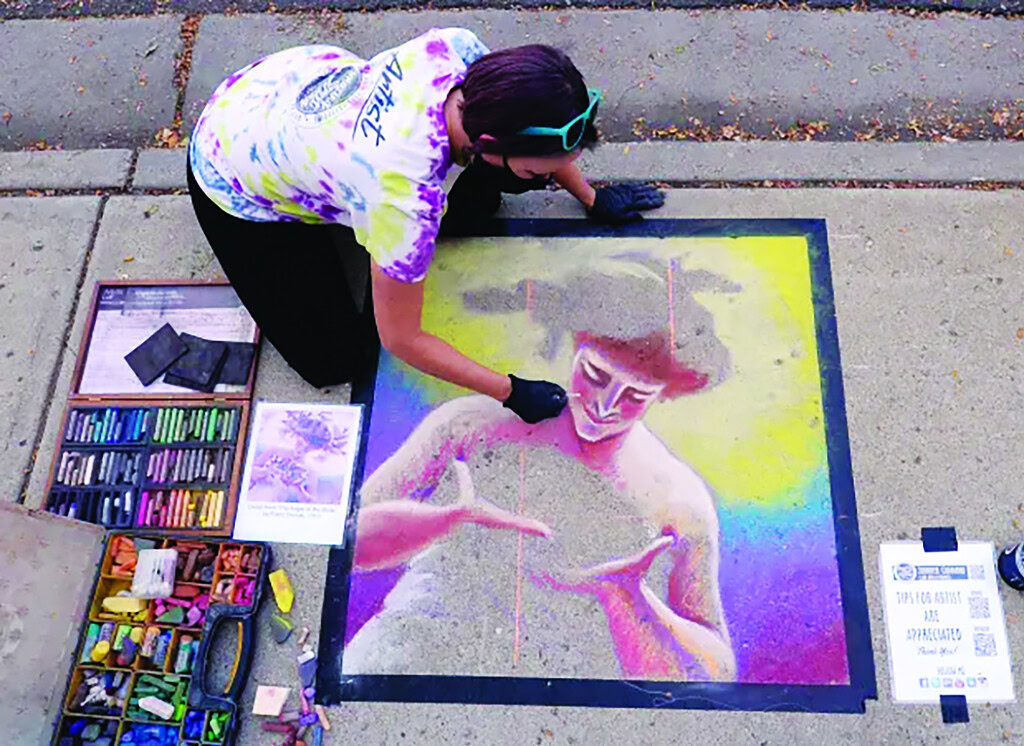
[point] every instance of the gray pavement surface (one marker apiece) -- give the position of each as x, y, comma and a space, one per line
43, 246
109, 82
926, 283
76, 8
160, 169
64, 169
87, 83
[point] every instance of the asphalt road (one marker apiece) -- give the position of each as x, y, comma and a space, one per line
75, 8
671, 74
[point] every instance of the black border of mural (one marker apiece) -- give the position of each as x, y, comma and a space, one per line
334, 687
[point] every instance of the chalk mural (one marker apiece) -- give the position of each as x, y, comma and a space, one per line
674, 523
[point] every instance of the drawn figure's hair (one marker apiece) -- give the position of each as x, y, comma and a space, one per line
621, 307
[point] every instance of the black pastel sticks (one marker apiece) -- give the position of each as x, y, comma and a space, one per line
153, 466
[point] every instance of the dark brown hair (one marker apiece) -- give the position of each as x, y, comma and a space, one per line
530, 86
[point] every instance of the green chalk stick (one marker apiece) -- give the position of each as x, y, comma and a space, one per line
161, 684
211, 428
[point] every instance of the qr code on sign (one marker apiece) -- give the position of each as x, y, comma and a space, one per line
978, 606
984, 644
976, 572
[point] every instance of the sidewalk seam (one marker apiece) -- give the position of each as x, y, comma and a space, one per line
59, 363
133, 164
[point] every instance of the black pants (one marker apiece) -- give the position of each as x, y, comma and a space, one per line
308, 286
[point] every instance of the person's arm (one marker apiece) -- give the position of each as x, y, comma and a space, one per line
692, 612
571, 179
389, 533
654, 638
398, 308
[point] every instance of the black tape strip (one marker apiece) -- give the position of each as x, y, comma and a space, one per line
954, 708
939, 539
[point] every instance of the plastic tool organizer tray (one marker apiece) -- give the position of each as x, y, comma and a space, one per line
161, 654
152, 458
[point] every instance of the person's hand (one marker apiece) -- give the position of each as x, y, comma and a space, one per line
484, 513
622, 203
610, 577
534, 401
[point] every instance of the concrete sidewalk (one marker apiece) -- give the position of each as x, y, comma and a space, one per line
111, 82
927, 282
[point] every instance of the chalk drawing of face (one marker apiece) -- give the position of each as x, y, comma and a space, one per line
606, 399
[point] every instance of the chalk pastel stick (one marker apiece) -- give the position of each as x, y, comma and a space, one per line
69, 429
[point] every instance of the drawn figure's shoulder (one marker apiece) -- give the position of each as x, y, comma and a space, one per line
680, 488
469, 413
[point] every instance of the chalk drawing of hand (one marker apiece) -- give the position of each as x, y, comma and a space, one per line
615, 575
476, 510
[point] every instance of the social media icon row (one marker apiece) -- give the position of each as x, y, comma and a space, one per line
950, 683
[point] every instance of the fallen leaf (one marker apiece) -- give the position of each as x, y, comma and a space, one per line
167, 138
987, 45
7, 117
1020, 333
1007, 251
128, 259
769, 36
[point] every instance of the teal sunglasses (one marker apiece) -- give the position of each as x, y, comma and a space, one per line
572, 132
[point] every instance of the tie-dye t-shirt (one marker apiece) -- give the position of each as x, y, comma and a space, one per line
318, 135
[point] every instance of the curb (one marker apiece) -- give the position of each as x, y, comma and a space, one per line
672, 162
65, 169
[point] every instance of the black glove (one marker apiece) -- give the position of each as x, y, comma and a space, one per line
534, 401
622, 203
